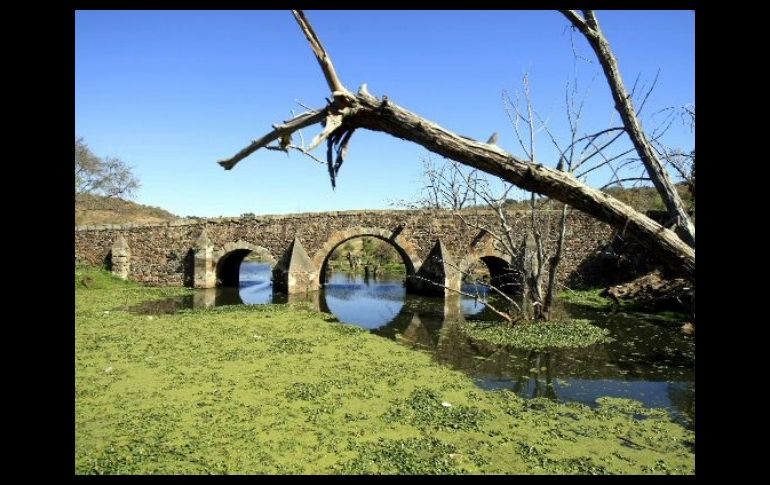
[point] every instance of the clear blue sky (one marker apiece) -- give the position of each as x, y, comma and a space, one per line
172, 92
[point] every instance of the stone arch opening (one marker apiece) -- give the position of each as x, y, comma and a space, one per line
491, 268
501, 267
229, 266
404, 249
502, 275
232, 255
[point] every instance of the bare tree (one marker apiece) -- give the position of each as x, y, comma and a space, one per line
534, 261
534, 252
588, 25
527, 123
107, 177
444, 186
346, 112
682, 161
483, 197
448, 187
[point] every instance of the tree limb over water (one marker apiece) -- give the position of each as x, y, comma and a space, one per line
347, 112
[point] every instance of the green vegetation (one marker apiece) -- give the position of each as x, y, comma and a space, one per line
272, 389
389, 268
539, 335
393, 267
369, 251
647, 198
592, 298
99, 279
640, 198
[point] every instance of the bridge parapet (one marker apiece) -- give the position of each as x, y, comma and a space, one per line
174, 254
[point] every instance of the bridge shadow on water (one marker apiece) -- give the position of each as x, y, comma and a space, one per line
648, 362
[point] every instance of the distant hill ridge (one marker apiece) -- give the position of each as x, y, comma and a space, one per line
643, 199
95, 209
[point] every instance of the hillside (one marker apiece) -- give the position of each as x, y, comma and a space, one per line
94, 209
647, 198
642, 199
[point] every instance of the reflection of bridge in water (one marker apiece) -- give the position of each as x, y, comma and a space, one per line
434, 324
645, 362
634, 366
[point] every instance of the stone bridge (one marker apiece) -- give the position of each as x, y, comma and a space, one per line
435, 246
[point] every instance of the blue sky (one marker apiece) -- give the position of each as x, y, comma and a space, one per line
172, 92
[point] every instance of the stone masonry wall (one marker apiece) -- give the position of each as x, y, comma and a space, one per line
162, 254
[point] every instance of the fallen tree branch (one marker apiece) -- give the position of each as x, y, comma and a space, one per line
299, 149
370, 113
588, 25
394, 120
366, 111
320, 53
279, 131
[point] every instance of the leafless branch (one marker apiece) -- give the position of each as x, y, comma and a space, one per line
605, 162
515, 116
299, 149
507, 317
589, 27
627, 179
365, 111
591, 142
301, 104
305, 119
647, 95
335, 85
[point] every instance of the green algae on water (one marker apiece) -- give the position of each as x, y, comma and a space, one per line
274, 390
539, 335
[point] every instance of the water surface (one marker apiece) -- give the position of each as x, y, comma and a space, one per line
647, 361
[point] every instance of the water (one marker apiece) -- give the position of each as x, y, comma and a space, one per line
647, 361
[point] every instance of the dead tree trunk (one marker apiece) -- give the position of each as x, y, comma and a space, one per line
348, 112
589, 27
532, 271
554, 265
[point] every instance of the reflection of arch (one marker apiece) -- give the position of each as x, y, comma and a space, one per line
404, 248
228, 260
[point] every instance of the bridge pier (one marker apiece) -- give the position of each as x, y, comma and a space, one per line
121, 258
206, 298
295, 271
204, 271
438, 275
417, 334
453, 309
310, 300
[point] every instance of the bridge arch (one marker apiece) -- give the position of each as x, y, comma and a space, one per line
500, 265
405, 248
228, 259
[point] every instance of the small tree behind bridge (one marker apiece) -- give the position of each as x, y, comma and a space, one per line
106, 177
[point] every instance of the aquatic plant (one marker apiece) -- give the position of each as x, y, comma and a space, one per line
539, 335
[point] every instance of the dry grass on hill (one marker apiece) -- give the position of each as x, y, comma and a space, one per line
92, 209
